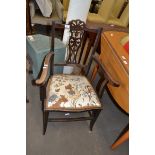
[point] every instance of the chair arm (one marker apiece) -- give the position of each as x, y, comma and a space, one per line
59, 8
45, 69
32, 9
106, 73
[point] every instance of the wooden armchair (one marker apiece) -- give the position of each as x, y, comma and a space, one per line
74, 93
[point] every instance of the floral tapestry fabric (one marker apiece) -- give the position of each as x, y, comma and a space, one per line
71, 92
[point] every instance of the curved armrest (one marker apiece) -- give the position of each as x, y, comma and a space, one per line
59, 9
106, 73
45, 69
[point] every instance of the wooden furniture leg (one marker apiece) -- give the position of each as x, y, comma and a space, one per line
28, 19
45, 121
122, 138
27, 100
95, 115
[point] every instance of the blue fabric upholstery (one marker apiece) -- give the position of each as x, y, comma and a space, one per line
38, 47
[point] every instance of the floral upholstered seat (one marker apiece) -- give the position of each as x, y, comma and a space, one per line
71, 92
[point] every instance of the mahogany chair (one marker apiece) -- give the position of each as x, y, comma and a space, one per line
74, 93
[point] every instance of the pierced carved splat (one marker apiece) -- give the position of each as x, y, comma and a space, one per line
76, 36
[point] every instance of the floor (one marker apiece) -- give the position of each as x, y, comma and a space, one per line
73, 138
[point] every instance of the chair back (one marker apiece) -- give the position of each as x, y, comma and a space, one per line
75, 40
82, 43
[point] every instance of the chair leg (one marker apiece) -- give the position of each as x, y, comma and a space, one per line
42, 106
95, 114
122, 137
27, 100
48, 28
42, 93
45, 121
121, 140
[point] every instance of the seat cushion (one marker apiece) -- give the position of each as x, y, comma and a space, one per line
71, 92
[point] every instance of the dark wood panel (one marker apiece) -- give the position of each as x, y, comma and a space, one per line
28, 19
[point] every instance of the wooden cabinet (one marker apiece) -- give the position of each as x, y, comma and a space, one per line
116, 60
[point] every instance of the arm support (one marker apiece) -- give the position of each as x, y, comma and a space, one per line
45, 70
109, 77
